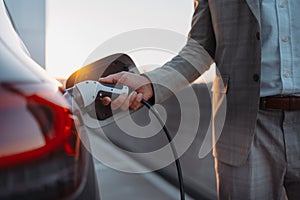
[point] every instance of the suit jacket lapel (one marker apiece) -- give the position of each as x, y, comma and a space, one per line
255, 8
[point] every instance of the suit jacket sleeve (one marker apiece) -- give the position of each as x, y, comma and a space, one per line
192, 61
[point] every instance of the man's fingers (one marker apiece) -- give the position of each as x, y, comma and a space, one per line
118, 102
141, 84
137, 103
129, 101
123, 101
114, 78
133, 98
106, 101
124, 78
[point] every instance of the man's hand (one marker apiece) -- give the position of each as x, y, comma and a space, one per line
140, 84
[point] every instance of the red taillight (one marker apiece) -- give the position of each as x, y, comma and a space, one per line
44, 126
55, 121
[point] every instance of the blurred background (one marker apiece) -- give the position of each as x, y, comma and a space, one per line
60, 34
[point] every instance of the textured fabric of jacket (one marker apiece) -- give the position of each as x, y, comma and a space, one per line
226, 32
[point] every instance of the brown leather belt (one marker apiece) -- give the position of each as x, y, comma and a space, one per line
280, 103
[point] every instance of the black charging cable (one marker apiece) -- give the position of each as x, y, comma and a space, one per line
109, 88
177, 162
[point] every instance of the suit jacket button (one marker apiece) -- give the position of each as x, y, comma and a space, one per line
258, 35
256, 77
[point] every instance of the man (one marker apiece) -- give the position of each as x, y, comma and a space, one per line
254, 44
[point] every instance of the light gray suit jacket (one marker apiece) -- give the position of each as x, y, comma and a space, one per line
226, 32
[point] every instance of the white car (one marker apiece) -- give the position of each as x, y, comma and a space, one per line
41, 155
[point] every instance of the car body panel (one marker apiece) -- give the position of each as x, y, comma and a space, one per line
41, 154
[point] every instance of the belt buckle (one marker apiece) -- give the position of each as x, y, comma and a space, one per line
262, 103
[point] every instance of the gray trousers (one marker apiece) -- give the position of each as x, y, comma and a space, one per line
272, 170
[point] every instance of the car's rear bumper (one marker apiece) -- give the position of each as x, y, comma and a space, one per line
57, 176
